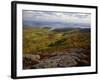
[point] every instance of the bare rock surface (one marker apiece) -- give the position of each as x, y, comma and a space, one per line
61, 59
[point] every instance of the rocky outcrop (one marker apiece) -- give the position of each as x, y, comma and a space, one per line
75, 57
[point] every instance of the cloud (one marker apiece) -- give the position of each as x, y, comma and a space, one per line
57, 16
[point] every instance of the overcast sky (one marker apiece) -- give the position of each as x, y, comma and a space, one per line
67, 17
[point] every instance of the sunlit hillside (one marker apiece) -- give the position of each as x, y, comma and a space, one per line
47, 43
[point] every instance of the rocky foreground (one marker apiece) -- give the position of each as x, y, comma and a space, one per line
68, 58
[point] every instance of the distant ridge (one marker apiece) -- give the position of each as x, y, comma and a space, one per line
55, 24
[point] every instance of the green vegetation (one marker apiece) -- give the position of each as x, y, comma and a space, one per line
42, 40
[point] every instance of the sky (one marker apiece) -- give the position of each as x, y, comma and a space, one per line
52, 16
